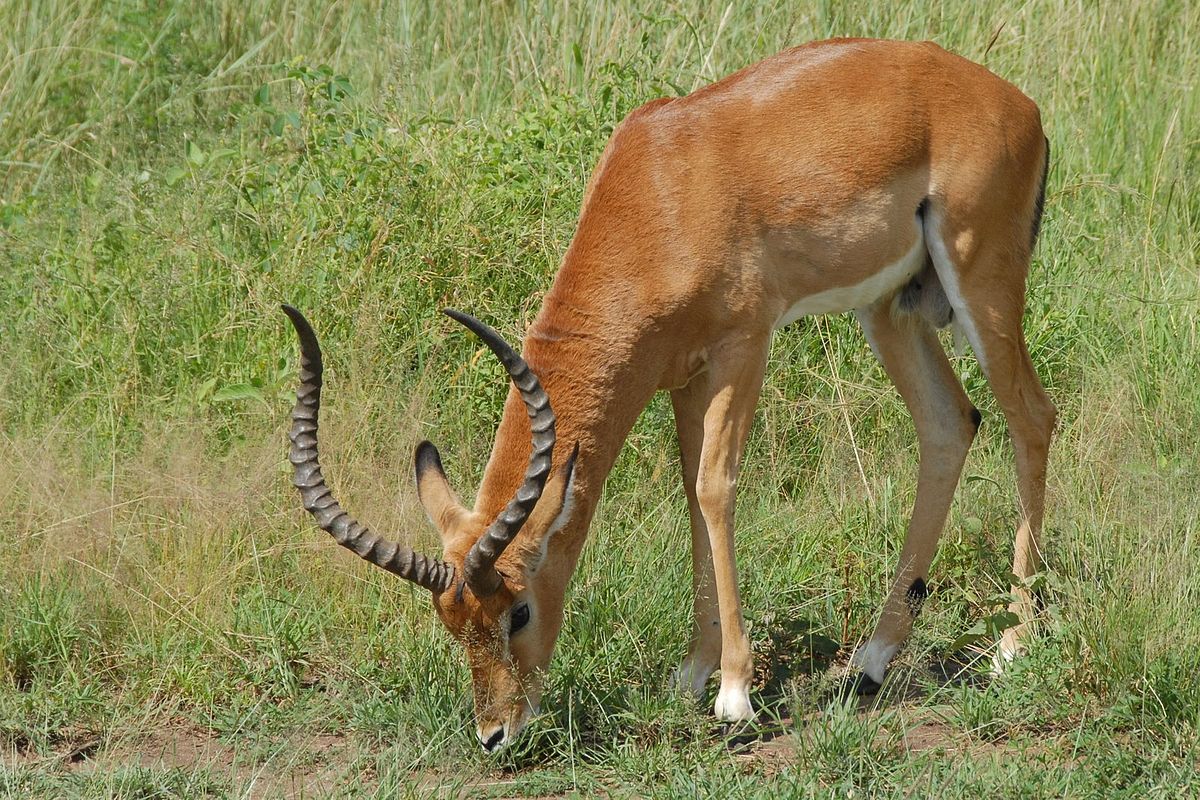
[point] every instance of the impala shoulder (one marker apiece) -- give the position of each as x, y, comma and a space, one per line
647, 113
642, 126
630, 149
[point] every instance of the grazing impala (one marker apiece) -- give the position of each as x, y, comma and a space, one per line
893, 179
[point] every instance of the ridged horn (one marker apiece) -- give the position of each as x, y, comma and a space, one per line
480, 563
434, 575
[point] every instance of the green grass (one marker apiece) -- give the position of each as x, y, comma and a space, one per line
169, 174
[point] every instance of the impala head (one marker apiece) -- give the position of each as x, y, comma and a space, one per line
488, 589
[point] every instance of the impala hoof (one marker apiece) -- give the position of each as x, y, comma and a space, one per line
860, 685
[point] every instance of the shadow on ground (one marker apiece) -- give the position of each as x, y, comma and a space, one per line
797, 652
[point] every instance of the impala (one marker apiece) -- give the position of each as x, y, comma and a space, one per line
893, 179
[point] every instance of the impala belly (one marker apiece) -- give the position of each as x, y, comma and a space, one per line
859, 295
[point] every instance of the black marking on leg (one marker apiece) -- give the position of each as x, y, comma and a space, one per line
976, 418
917, 592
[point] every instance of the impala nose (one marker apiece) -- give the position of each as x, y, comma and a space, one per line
491, 741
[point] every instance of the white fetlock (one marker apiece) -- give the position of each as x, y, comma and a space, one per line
1006, 652
873, 659
692, 676
733, 703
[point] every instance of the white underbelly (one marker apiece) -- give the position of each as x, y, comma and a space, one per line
860, 295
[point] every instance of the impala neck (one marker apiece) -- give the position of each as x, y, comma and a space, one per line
599, 375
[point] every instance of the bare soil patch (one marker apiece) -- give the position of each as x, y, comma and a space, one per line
291, 767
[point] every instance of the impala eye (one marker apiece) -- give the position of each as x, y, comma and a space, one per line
519, 618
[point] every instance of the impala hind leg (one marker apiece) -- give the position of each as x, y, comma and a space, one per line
989, 305
724, 398
704, 653
946, 422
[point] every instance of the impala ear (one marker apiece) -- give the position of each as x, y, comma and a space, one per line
438, 499
553, 511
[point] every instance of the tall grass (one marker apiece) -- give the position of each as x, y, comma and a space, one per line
170, 172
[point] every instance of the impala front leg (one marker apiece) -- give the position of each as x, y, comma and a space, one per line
730, 390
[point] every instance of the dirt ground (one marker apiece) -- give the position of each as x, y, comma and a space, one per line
306, 766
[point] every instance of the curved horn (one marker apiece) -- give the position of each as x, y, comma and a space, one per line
434, 575
480, 563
